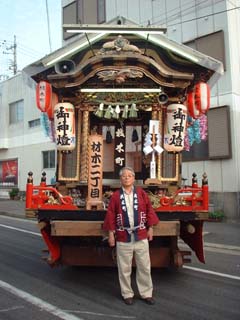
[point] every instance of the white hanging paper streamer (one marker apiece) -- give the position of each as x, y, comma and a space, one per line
157, 147
147, 149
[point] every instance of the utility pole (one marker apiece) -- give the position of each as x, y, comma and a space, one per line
12, 49
15, 55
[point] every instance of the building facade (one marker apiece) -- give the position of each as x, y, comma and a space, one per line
209, 26
23, 145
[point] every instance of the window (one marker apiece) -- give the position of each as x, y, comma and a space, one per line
69, 17
101, 12
88, 13
80, 15
83, 12
211, 45
218, 145
16, 112
219, 133
34, 123
48, 159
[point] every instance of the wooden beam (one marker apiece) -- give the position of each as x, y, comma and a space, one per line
105, 256
77, 228
94, 228
202, 215
167, 228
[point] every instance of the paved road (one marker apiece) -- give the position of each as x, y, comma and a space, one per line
30, 289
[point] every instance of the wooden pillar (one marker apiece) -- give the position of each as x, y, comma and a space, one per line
84, 147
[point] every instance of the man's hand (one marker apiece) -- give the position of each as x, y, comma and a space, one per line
150, 233
111, 239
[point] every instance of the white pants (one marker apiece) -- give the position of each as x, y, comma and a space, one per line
125, 253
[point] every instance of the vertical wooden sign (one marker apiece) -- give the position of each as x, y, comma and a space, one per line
95, 172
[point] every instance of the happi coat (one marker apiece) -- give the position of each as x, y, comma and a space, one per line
117, 218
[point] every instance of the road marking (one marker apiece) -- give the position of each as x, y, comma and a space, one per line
102, 314
41, 304
216, 247
221, 246
224, 250
224, 275
21, 230
11, 309
2, 216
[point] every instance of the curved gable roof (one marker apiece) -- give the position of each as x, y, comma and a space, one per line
164, 61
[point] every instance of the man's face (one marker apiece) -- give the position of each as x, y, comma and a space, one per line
127, 178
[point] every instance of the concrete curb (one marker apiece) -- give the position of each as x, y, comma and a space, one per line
15, 215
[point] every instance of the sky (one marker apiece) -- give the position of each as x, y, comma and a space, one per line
27, 20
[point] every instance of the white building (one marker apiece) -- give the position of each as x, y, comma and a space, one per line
209, 26
23, 144
212, 27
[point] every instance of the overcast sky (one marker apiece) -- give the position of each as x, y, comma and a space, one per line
27, 19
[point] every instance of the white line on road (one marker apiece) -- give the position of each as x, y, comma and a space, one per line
21, 230
217, 246
224, 275
102, 314
220, 246
17, 219
43, 305
11, 309
38, 302
235, 252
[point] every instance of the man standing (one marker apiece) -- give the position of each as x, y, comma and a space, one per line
129, 221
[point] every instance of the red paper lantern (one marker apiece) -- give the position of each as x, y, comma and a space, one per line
50, 109
43, 95
192, 108
198, 100
202, 97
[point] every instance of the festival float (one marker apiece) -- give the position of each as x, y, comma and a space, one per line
121, 95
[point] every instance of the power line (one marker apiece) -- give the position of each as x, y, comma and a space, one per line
29, 50
11, 64
207, 15
20, 46
186, 7
201, 17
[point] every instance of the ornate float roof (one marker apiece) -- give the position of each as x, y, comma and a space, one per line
127, 55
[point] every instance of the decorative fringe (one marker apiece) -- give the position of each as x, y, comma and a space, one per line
186, 141
52, 131
47, 126
203, 127
196, 131
44, 123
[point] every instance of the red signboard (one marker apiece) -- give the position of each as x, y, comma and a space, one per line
8, 173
